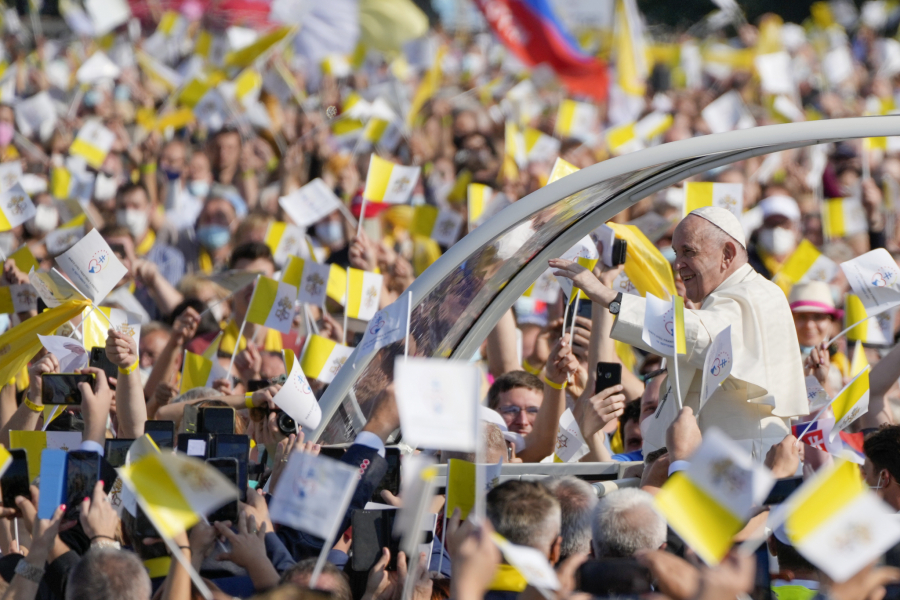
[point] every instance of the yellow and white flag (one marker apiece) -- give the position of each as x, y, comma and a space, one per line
576, 120
247, 55
711, 501
336, 288
272, 304
630, 51
584, 253
158, 71
851, 402
859, 361
35, 442
877, 331
479, 197
843, 217
538, 145
65, 236
729, 196
311, 278
364, 293
808, 264
17, 298
15, 207
93, 143
646, 268
323, 358
284, 240
389, 183
441, 225
96, 326
560, 169
176, 491
836, 523
570, 444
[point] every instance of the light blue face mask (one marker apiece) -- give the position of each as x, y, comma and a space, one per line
199, 189
805, 350
213, 237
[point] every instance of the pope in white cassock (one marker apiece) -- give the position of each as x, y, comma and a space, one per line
766, 385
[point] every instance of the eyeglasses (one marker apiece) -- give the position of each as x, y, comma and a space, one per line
514, 411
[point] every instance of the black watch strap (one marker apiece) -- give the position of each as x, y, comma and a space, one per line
615, 304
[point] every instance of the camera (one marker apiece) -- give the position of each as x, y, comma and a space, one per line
286, 425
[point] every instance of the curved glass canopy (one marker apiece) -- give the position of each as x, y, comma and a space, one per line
458, 300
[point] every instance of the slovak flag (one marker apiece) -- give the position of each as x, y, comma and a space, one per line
848, 445
533, 33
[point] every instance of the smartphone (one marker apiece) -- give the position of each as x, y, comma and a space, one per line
254, 385
372, 531
230, 445
335, 452
62, 388
101, 361
162, 432
15, 480
892, 591
619, 252
229, 468
115, 451
613, 577
391, 479
53, 482
143, 528
782, 489
195, 444
608, 375
762, 582
216, 420
82, 474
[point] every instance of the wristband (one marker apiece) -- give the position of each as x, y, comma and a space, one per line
556, 386
248, 400
249, 174
148, 168
131, 369
529, 368
31, 405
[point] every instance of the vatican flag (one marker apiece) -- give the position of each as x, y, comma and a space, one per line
859, 362
561, 168
808, 264
18, 298
711, 501
877, 331
441, 225
836, 523
95, 326
196, 371
93, 143
272, 304
323, 358
389, 183
843, 217
176, 491
479, 196
576, 120
851, 402
729, 196
364, 290
284, 240
15, 207
538, 145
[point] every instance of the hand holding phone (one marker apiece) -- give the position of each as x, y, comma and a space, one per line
14, 481
62, 388
608, 375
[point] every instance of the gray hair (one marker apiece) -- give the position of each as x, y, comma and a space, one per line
577, 501
200, 393
625, 522
525, 513
335, 581
108, 573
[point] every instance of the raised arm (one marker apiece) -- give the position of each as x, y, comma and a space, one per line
131, 409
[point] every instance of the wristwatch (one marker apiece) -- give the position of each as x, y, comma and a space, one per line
29, 571
616, 304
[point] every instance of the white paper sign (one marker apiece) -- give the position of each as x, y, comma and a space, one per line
311, 203
585, 248
875, 278
659, 325
815, 394
92, 266
438, 402
417, 490
70, 353
570, 445
313, 494
606, 236
386, 327
717, 365
296, 398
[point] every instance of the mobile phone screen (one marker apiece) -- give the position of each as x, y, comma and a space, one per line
236, 447
391, 479
62, 388
82, 473
116, 450
162, 432
229, 468
218, 420
608, 375
101, 361
15, 480
53, 482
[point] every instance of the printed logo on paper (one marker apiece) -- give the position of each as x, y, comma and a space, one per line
98, 262
722, 360
377, 324
884, 277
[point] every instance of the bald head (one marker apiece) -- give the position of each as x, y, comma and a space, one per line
705, 256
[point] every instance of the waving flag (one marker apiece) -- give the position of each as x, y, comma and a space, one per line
530, 30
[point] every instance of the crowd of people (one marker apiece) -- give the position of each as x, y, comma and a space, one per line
206, 146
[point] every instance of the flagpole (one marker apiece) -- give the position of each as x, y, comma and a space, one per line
838, 336
362, 216
237, 342
346, 309
408, 320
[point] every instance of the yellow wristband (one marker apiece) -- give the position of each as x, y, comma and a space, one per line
529, 368
131, 369
148, 168
556, 386
248, 400
32, 406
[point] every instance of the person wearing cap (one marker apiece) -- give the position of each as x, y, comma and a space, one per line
774, 242
814, 317
766, 385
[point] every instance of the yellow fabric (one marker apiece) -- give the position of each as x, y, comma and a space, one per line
429, 85
770, 262
859, 362
833, 218
146, 244
248, 54
615, 443
460, 487
33, 442
424, 218
165, 505
839, 360
508, 579
630, 66
856, 312
814, 505
645, 266
697, 195
263, 301
337, 284
386, 25
158, 567
377, 179
425, 252
272, 342
458, 193
24, 259
316, 355
93, 155
195, 372
681, 346
6, 301
703, 523
176, 119
561, 168
205, 262
854, 391
19, 345
60, 182
589, 264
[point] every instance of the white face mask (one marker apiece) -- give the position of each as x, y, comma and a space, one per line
105, 187
136, 221
46, 218
330, 232
777, 240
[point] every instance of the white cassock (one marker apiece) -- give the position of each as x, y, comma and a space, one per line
766, 385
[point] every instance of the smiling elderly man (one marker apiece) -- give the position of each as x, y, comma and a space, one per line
766, 385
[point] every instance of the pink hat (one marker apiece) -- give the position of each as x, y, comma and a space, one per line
815, 297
